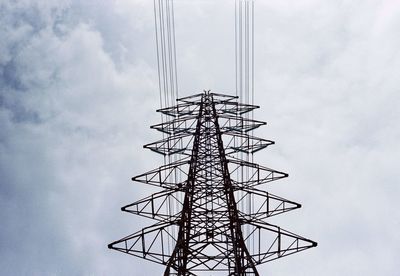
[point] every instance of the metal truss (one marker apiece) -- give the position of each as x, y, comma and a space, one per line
211, 214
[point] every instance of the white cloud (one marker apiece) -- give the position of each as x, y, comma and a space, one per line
79, 89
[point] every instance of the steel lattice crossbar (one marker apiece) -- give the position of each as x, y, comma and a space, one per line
210, 209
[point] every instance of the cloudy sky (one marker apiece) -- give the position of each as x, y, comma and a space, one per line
78, 91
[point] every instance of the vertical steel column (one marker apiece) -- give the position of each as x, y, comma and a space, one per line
178, 260
243, 260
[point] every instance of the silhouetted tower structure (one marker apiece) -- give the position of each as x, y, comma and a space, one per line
211, 213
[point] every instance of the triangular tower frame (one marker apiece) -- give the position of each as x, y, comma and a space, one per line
217, 222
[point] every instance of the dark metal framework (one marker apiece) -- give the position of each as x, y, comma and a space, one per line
211, 213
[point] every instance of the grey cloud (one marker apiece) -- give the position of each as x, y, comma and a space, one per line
79, 89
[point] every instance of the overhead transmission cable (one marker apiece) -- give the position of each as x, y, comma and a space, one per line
244, 72
244, 50
166, 51
167, 72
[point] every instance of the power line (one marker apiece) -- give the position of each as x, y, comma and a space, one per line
166, 51
208, 219
244, 83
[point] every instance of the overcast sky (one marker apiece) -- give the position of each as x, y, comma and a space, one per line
79, 90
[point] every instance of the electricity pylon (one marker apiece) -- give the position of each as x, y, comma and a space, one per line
211, 213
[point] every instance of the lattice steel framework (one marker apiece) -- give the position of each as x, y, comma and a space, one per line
211, 213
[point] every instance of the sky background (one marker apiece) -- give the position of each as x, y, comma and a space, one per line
79, 90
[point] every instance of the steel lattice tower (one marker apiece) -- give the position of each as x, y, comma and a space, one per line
211, 209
